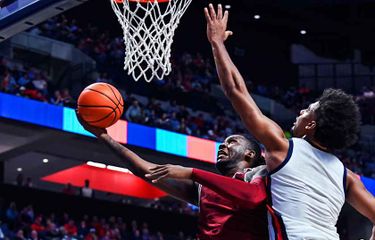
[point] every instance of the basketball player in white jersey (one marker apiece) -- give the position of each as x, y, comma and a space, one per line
307, 184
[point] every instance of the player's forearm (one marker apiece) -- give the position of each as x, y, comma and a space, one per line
247, 195
182, 189
134, 162
224, 66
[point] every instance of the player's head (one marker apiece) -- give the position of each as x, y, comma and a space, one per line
333, 120
235, 151
87, 183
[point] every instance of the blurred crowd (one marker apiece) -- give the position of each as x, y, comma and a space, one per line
190, 72
178, 118
297, 98
27, 224
366, 102
31, 82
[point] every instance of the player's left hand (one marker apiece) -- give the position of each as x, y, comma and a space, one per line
217, 24
94, 130
160, 172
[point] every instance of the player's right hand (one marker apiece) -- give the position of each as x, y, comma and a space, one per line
216, 24
160, 172
94, 130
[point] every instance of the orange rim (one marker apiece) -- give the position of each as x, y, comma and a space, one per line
142, 1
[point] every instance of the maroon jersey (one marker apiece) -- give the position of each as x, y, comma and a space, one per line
231, 209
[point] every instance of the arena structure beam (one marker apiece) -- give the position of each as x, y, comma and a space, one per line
18, 16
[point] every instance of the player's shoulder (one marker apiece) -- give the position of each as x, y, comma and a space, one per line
257, 172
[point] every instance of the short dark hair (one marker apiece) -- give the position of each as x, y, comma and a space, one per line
338, 120
254, 146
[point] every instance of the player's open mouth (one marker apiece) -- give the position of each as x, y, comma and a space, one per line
222, 154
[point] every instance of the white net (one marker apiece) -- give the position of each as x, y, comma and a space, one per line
148, 28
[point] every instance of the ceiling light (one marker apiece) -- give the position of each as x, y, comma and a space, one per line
256, 16
19, 169
45, 160
227, 6
96, 164
303, 32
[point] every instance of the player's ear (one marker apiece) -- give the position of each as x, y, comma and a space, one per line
249, 154
311, 125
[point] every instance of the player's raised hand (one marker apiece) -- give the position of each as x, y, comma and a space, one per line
169, 171
94, 130
216, 24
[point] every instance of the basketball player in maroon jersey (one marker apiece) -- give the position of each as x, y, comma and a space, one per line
232, 206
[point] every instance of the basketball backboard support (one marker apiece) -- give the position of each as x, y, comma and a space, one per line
19, 15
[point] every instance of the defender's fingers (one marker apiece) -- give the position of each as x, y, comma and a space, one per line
207, 15
219, 12
155, 168
154, 174
212, 11
226, 15
160, 178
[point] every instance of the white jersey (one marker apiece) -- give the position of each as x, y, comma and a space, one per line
307, 192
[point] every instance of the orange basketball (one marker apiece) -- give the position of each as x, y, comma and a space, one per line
100, 105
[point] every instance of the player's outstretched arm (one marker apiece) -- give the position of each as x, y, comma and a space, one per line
185, 190
260, 126
359, 198
246, 195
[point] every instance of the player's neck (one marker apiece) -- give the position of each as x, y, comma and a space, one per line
316, 144
238, 168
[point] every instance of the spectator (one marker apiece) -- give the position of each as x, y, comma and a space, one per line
34, 235
19, 179
92, 235
57, 99
29, 182
37, 225
70, 228
68, 99
20, 235
52, 231
40, 84
24, 80
27, 214
11, 213
86, 191
83, 230
134, 112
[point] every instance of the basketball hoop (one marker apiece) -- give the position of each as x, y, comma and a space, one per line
148, 27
